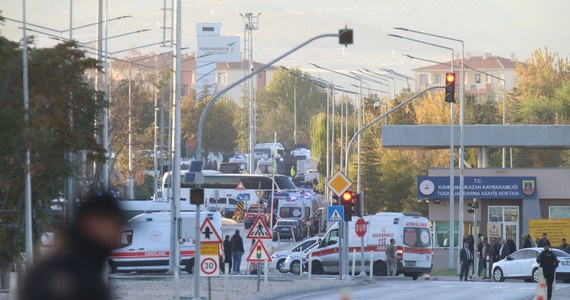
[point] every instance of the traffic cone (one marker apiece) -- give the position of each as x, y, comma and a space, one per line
345, 294
426, 276
541, 289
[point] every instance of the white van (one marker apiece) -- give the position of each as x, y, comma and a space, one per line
413, 245
145, 242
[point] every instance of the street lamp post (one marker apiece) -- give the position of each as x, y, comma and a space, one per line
451, 161
461, 121
215, 97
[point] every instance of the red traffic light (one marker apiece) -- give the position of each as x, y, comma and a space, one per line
346, 197
450, 87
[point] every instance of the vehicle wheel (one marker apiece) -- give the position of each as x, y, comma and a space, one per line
535, 274
379, 269
281, 266
415, 276
296, 267
317, 268
190, 266
111, 268
498, 275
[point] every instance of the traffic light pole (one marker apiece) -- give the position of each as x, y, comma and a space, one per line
346, 161
361, 204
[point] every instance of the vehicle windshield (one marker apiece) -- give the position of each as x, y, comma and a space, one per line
330, 239
417, 237
284, 183
290, 212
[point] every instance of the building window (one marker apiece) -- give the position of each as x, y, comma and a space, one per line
503, 214
559, 212
437, 79
423, 79
222, 78
441, 234
478, 78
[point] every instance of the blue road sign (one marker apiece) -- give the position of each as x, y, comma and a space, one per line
243, 197
335, 213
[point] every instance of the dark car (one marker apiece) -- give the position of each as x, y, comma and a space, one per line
299, 179
287, 229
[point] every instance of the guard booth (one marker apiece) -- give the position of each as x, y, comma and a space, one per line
509, 201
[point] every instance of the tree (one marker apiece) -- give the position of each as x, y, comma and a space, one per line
54, 74
275, 107
219, 133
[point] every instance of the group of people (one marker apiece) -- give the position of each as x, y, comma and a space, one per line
233, 251
491, 252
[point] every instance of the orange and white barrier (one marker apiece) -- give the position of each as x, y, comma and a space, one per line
541, 288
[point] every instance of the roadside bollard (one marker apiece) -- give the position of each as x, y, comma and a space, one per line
226, 281
353, 261
541, 288
310, 265
371, 265
265, 272
293, 234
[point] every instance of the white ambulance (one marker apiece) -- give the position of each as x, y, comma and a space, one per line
145, 242
413, 245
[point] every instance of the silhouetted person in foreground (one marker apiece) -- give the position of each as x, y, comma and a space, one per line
76, 269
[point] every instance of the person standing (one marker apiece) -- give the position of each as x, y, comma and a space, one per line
512, 245
391, 258
465, 257
237, 251
532, 242
75, 271
503, 250
228, 253
565, 246
487, 258
543, 241
549, 263
526, 241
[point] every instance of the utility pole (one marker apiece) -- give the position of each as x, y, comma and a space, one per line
27, 167
251, 23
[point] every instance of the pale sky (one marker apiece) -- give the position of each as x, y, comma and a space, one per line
500, 27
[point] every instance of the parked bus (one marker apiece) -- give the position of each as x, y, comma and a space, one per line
249, 188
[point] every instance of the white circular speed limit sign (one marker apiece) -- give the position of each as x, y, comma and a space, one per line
209, 265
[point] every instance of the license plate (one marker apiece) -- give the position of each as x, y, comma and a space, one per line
410, 263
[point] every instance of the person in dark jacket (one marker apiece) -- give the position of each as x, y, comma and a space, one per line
504, 250
237, 251
526, 241
465, 258
75, 270
543, 241
549, 263
512, 245
228, 253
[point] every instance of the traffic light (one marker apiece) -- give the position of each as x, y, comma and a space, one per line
345, 37
356, 198
197, 196
346, 199
450, 87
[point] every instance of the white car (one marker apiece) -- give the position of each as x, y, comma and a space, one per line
294, 261
522, 265
278, 258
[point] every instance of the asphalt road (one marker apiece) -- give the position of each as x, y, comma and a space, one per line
426, 290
